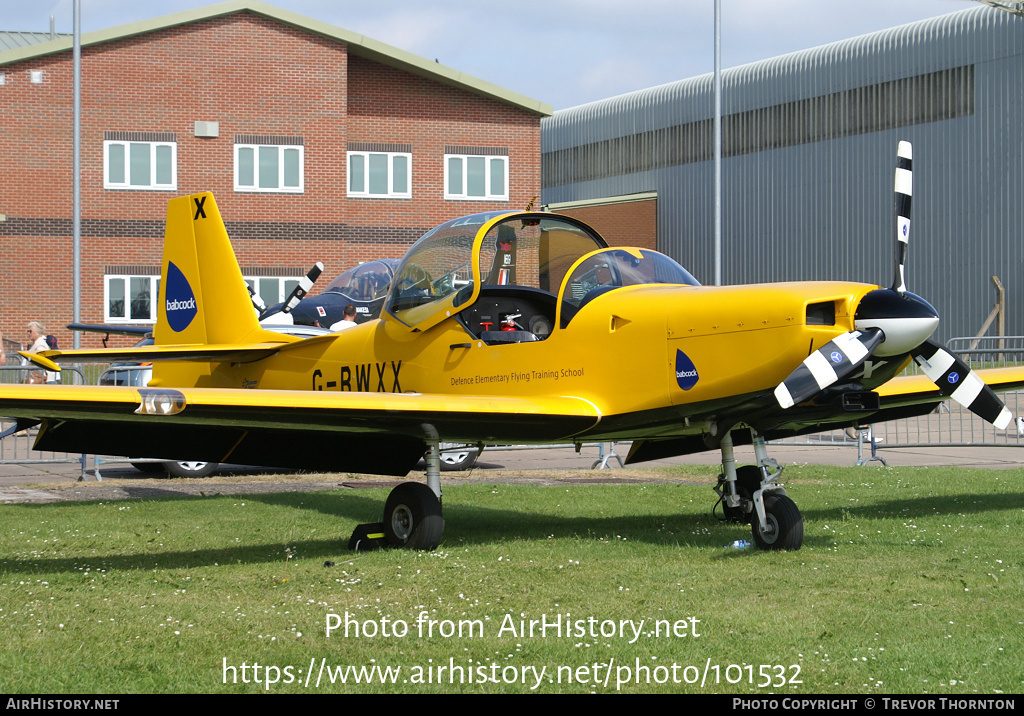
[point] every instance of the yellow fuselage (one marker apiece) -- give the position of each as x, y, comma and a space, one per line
621, 351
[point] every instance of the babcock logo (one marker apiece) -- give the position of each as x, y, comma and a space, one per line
180, 302
686, 371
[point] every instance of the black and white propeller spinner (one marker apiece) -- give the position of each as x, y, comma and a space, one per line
892, 322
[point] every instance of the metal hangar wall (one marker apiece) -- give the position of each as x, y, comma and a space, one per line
809, 145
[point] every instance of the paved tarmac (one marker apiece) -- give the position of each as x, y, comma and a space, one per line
19, 475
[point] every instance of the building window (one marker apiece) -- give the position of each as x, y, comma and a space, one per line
269, 167
384, 175
139, 164
273, 289
476, 177
130, 299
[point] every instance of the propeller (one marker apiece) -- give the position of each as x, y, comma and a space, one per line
302, 289
257, 301
892, 322
904, 190
828, 365
954, 378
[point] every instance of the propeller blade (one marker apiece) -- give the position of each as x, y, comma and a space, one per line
904, 192
954, 378
302, 289
257, 302
828, 365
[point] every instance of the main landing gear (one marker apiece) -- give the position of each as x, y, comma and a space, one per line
412, 512
750, 494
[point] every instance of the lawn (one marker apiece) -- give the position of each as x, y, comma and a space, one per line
909, 581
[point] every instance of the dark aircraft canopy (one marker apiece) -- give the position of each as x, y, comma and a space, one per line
364, 282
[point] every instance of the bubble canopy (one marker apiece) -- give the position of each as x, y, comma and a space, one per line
448, 267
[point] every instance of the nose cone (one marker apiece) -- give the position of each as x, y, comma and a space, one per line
906, 320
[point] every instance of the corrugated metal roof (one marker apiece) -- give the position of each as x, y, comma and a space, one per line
13, 40
961, 38
357, 44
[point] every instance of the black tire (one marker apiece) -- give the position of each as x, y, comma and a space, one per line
785, 524
748, 481
191, 468
150, 468
462, 458
412, 517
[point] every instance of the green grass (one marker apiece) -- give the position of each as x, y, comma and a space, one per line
909, 581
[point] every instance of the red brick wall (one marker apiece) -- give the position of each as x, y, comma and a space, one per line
253, 76
632, 223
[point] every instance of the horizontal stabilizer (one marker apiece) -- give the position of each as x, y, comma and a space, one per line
219, 353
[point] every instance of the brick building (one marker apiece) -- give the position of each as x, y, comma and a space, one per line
319, 145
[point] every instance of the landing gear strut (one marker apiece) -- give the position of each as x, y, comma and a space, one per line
751, 494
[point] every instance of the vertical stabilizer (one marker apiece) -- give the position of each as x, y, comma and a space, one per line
203, 296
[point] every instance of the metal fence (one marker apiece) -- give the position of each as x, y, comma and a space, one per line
950, 424
16, 448
69, 375
989, 351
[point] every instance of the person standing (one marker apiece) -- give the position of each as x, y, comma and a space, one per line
37, 338
348, 319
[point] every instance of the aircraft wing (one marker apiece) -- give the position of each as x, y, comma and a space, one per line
382, 433
905, 391
902, 397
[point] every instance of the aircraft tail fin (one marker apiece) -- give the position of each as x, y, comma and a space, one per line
203, 298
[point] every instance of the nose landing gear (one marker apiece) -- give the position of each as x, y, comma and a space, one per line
751, 494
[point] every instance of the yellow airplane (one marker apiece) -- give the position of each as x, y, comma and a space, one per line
511, 328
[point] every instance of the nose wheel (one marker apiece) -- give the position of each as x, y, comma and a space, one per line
783, 525
750, 494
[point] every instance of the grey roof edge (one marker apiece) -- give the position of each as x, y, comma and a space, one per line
359, 45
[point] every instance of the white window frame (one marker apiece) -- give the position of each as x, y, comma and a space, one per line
154, 183
489, 163
391, 192
284, 289
279, 181
126, 283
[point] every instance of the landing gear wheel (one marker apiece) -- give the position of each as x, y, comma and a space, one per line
412, 517
190, 469
748, 481
785, 524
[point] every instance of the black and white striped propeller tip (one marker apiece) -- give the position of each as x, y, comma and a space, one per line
955, 378
828, 365
904, 191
